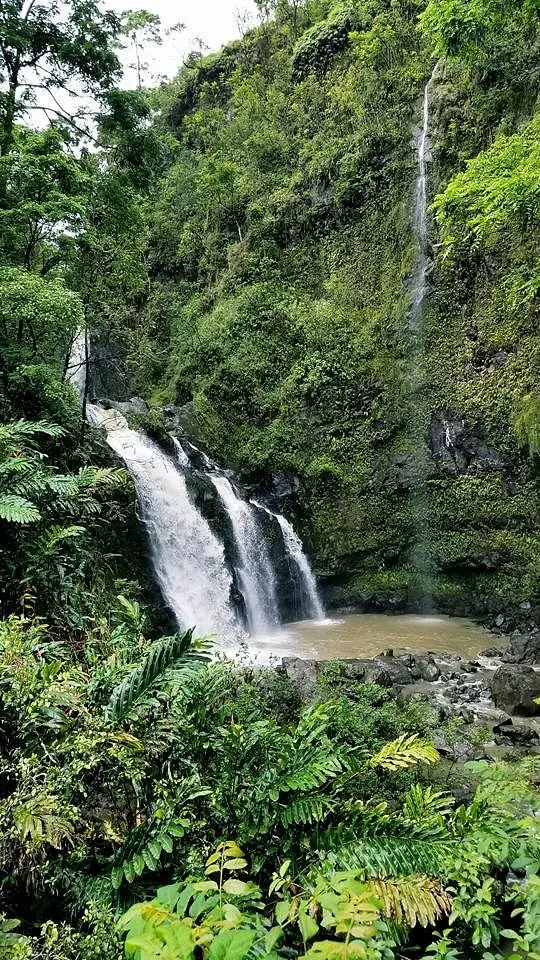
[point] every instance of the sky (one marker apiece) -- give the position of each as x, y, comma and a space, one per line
213, 21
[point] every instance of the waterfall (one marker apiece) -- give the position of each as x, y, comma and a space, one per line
312, 606
188, 559
255, 573
420, 211
78, 359
419, 505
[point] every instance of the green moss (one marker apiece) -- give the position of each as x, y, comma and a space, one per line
282, 250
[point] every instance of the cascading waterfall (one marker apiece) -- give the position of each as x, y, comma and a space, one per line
420, 555
313, 608
311, 602
188, 559
255, 573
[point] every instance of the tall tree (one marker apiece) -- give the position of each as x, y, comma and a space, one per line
46, 50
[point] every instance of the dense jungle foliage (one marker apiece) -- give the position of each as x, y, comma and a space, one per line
238, 242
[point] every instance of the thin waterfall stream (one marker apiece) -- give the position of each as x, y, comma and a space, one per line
257, 581
313, 607
420, 554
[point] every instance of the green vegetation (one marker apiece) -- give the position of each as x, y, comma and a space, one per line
128, 764
238, 242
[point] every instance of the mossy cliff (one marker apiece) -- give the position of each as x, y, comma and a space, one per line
281, 251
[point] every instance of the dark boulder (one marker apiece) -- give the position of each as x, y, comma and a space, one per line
523, 648
427, 668
514, 689
302, 673
126, 407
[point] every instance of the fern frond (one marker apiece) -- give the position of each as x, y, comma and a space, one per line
313, 723
92, 477
311, 769
391, 856
411, 900
427, 811
57, 535
43, 818
63, 484
16, 509
422, 801
18, 431
311, 809
165, 654
405, 751
144, 846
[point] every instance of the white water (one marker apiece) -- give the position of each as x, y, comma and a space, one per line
188, 559
255, 573
313, 608
423, 150
76, 368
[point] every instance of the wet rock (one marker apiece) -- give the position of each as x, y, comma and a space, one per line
377, 673
459, 447
514, 688
180, 419
127, 407
523, 648
489, 716
397, 670
428, 669
526, 729
423, 691
303, 673
355, 669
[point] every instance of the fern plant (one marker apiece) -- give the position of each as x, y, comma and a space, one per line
23, 480
170, 661
29, 489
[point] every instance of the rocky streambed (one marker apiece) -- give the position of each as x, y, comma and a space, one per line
493, 695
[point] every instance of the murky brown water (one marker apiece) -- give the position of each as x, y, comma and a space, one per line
367, 634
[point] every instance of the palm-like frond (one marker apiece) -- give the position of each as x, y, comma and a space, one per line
14, 433
89, 478
166, 654
309, 809
310, 767
411, 900
394, 856
405, 751
17, 509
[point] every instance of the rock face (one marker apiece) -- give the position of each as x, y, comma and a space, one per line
458, 447
514, 689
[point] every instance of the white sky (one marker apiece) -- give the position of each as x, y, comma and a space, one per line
214, 21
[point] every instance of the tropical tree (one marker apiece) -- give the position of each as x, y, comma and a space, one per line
51, 53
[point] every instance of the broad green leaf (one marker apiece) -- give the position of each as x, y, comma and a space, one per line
282, 911
231, 945
236, 887
308, 926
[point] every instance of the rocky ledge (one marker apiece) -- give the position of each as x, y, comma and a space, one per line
492, 693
